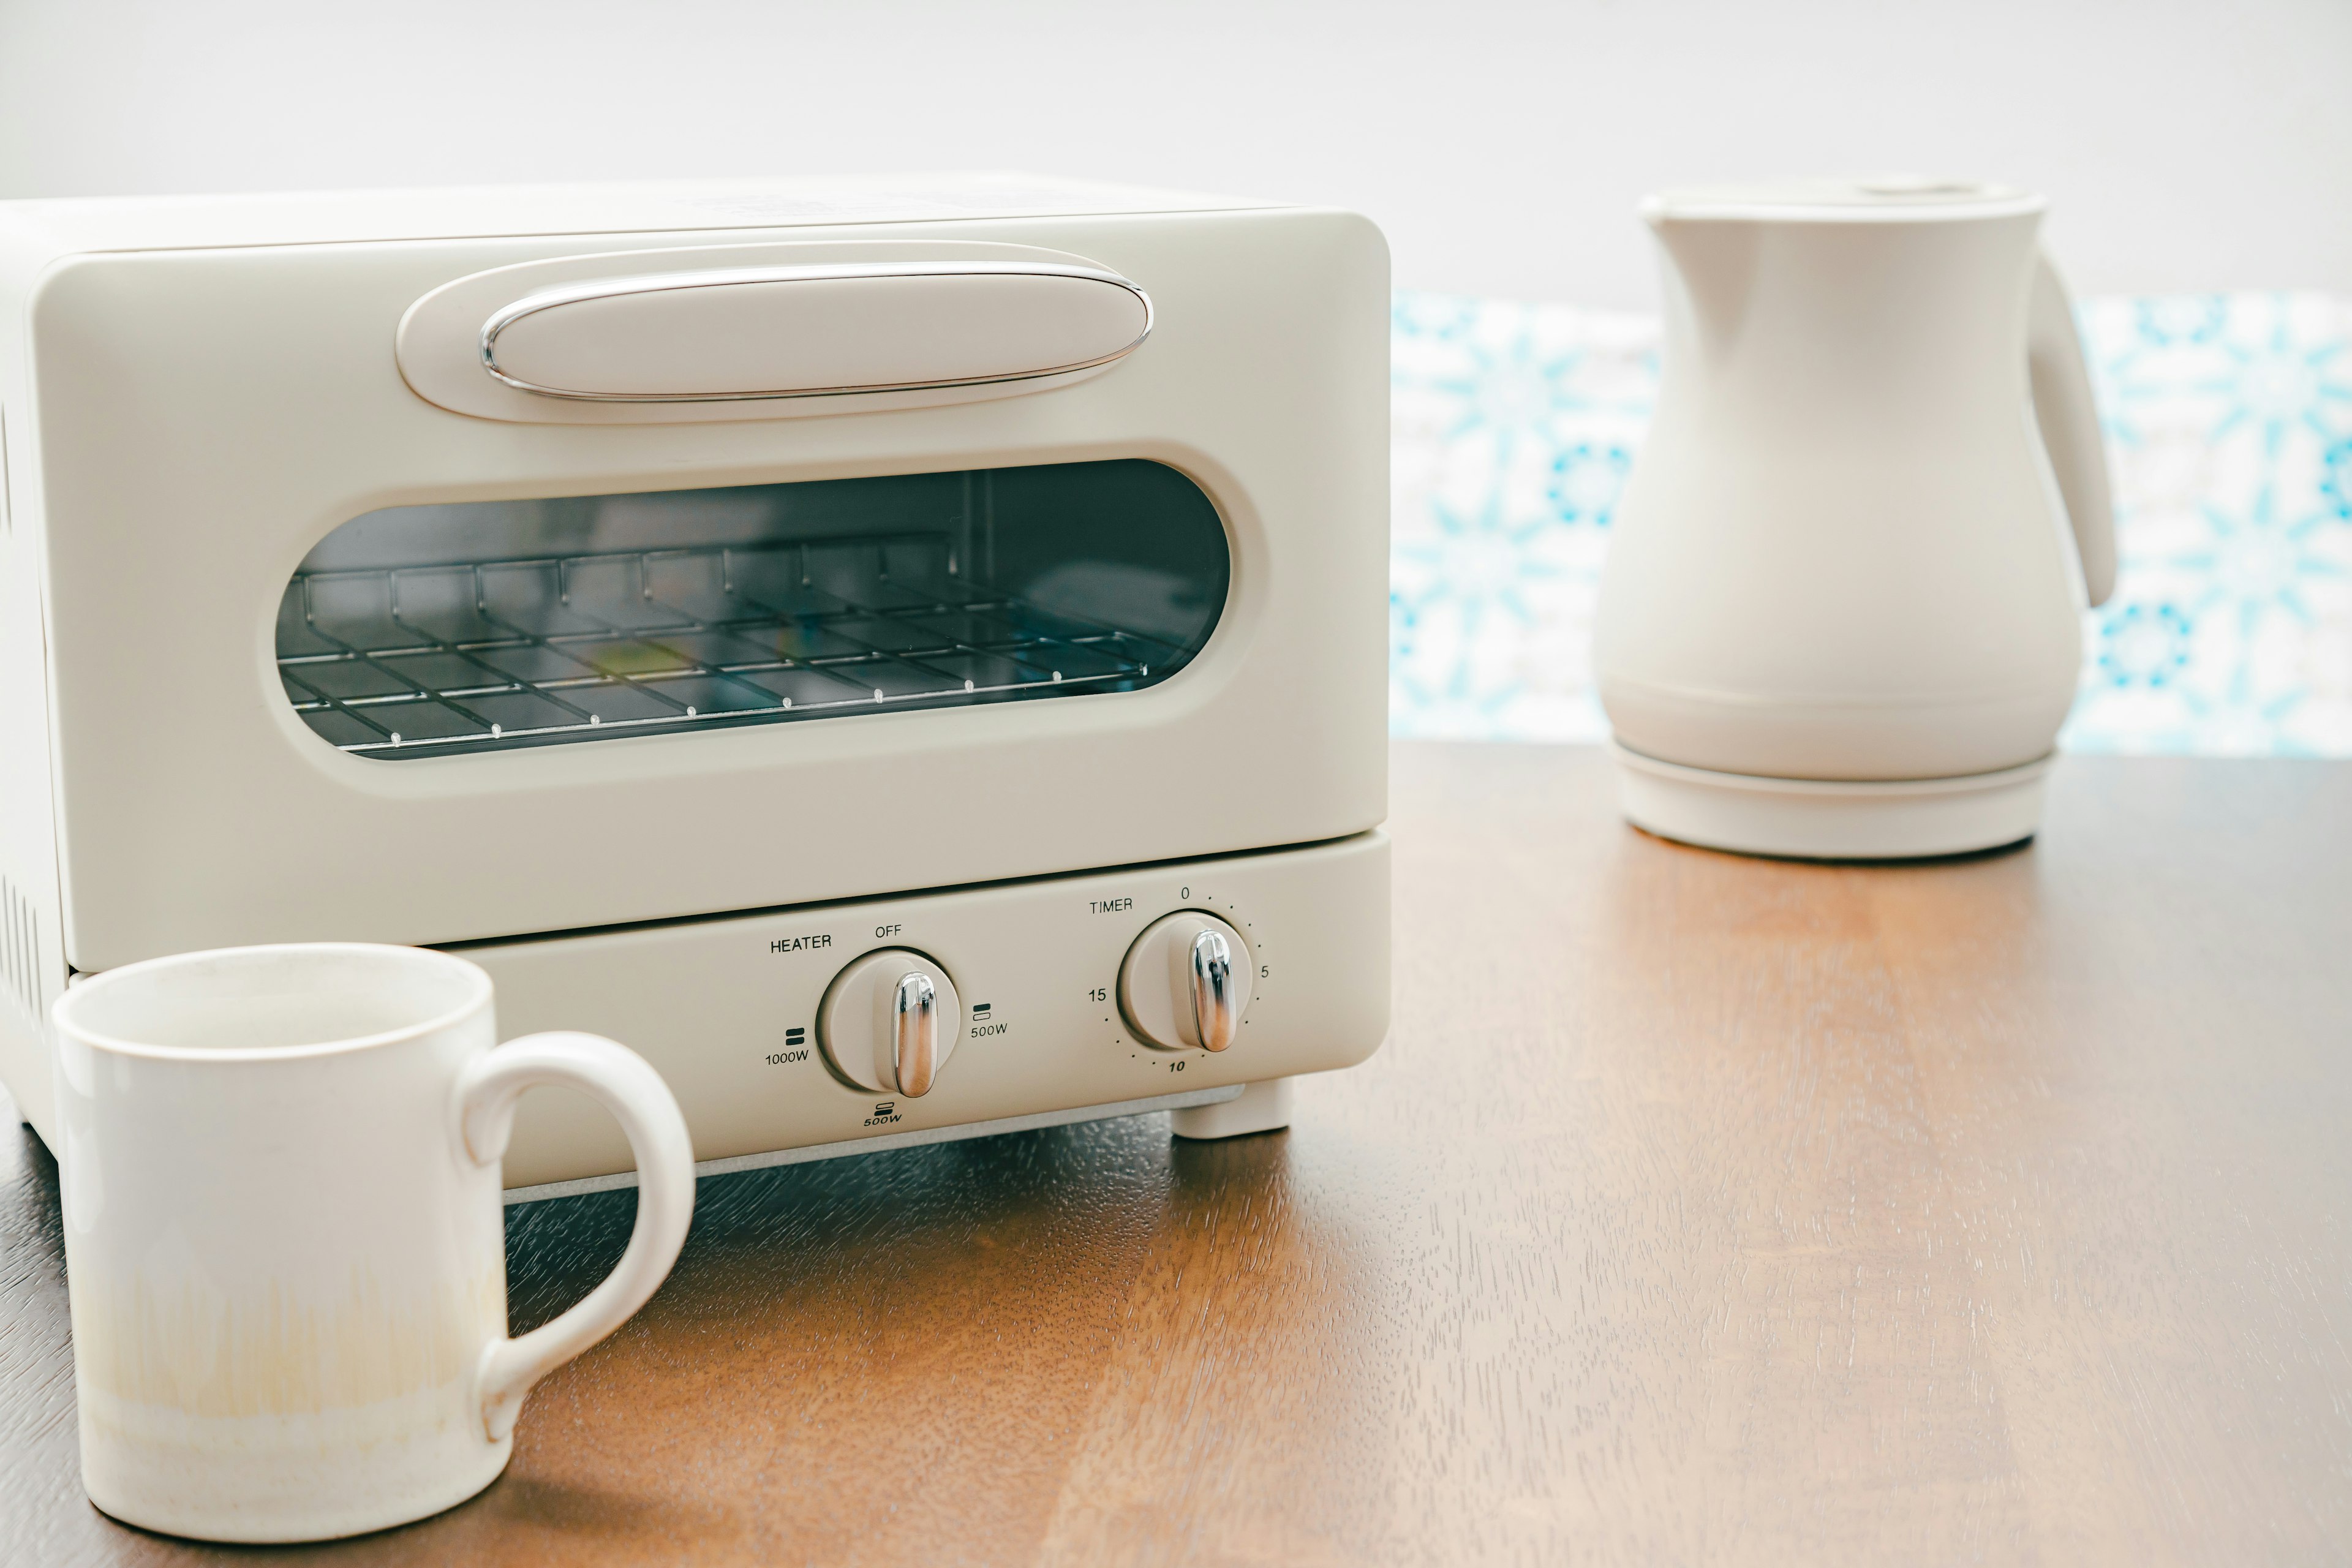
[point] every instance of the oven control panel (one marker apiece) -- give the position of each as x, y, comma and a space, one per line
826, 1026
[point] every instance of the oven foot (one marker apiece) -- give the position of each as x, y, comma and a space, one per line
1262, 1108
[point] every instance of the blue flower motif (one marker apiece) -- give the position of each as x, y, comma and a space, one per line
2245, 725
2336, 485
1481, 564
1442, 316
2282, 385
1586, 481
2255, 565
1516, 390
2187, 318
2144, 644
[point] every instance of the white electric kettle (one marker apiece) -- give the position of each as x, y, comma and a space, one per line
1842, 615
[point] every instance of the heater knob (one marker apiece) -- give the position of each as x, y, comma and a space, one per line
1186, 983
889, 1022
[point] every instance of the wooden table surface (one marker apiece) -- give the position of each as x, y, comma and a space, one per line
1699, 1208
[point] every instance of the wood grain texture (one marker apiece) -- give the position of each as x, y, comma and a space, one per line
1700, 1208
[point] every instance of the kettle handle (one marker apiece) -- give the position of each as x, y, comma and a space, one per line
2068, 418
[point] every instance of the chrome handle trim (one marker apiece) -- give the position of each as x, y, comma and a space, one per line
722, 278
1214, 1018
915, 1030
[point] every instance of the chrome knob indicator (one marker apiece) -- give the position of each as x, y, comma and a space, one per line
1186, 983
889, 1022
915, 1033
1215, 1019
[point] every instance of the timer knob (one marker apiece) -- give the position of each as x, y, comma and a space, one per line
889, 1022
1186, 983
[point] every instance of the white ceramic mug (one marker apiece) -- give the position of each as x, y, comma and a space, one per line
284, 1236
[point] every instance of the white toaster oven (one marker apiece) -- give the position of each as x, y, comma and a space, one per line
906, 657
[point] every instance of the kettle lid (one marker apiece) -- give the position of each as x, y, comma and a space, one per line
1875, 198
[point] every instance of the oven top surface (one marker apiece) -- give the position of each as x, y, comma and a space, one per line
330, 218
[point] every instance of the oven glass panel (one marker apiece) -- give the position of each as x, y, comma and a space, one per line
444, 630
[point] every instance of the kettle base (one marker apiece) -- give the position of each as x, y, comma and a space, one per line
1830, 819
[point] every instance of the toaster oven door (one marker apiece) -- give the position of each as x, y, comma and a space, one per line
329, 659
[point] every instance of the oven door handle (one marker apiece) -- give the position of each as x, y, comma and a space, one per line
816, 331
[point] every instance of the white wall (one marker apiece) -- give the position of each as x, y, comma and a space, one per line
1501, 142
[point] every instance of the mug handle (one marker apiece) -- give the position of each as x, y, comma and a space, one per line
2069, 421
638, 1099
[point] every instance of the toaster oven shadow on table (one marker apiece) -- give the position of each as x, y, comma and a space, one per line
429, 630
968, 1312
756, 1232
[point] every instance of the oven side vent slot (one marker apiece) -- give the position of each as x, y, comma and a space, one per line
20, 949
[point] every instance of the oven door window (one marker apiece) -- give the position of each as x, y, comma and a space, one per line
446, 631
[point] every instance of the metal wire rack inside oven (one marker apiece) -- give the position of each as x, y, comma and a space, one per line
435, 659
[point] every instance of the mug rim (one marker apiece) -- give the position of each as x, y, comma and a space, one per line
480, 991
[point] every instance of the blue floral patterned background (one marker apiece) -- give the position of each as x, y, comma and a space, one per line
2229, 425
